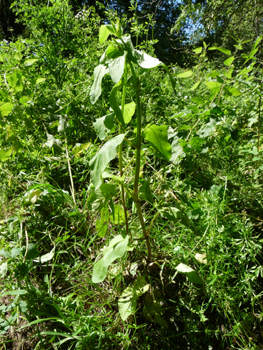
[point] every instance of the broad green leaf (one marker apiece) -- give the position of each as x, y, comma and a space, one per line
195, 86
24, 100
146, 192
104, 33
157, 137
5, 253
129, 110
104, 125
213, 84
234, 92
225, 51
6, 108
115, 250
198, 50
30, 62
208, 129
148, 62
6, 154
186, 74
114, 102
108, 189
99, 72
16, 252
229, 73
40, 80
79, 148
128, 300
229, 61
116, 68
191, 274
100, 161
118, 216
113, 52
102, 222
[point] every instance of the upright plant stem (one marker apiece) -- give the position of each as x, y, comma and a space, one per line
120, 148
138, 163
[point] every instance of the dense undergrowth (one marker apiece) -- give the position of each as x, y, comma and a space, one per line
201, 288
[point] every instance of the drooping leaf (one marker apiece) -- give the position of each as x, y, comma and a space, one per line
100, 161
99, 72
115, 250
191, 274
104, 125
157, 137
148, 62
128, 300
114, 102
225, 51
116, 68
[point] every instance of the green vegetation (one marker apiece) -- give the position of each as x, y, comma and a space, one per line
130, 205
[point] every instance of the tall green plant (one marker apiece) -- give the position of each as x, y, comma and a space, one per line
125, 65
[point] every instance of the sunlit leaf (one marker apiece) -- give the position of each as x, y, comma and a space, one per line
6, 108
99, 72
191, 274
114, 102
115, 250
116, 68
128, 300
148, 62
225, 51
229, 61
100, 161
129, 110
104, 125
186, 74
6, 154
157, 137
